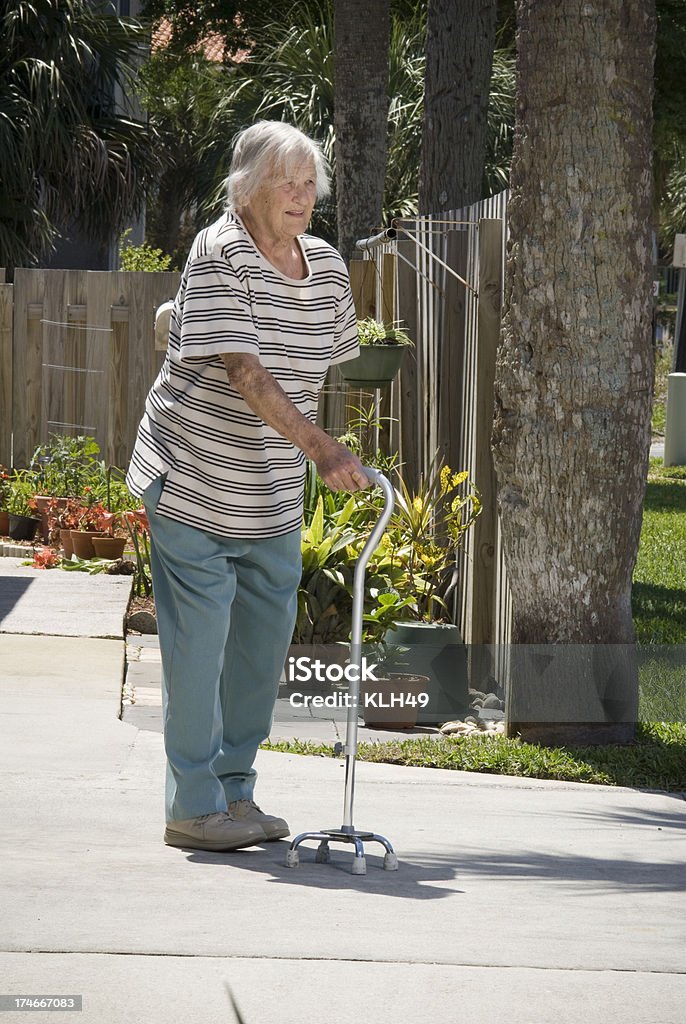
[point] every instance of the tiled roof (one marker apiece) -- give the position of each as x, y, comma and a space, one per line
212, 45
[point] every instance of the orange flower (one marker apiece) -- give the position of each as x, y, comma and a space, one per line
46, 558
138, 519
106, 520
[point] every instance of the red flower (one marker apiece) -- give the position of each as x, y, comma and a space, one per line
138, 519
46, 558
107, 520
90, 518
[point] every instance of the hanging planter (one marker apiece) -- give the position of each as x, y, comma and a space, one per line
381, 352
375, 367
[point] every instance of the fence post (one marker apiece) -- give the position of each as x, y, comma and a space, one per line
27, 376
388, 275
387, 315
484, 576
452, 354
6, 311
406, 430
363, 286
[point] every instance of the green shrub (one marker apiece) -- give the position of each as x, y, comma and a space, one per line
141, 257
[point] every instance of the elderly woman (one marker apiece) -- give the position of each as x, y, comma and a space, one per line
262, 311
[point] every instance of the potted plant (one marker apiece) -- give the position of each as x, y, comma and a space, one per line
394, 700
107, 545
63, 516
62, 468
410, 579
21, 505
65, 465
381, 351
90, 525
136, 522
419, 562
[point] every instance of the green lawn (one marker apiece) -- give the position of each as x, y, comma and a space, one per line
659, 594
663, 366
657, 759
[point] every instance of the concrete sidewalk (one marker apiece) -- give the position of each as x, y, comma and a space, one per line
516, 901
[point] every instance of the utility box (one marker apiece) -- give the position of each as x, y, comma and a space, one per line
675, 421
679, 251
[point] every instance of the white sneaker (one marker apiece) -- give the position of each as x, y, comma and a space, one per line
219, 831
248, 811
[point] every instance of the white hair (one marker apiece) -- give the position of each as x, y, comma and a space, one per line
266, 151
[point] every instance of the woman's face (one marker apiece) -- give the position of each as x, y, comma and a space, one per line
282, 207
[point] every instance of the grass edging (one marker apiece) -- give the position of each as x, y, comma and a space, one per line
656, 760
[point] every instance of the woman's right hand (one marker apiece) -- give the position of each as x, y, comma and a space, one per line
339, 468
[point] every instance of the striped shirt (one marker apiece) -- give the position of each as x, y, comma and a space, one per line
227, 471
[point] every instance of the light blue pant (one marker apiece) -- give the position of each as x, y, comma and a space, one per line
225, 614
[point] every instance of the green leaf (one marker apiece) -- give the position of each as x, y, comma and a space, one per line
347, 511
316, 530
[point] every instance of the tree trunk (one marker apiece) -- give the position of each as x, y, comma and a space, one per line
575, 367
460, 38
361, 32
165, 213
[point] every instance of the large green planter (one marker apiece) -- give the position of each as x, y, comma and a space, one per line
375, 367
435, 650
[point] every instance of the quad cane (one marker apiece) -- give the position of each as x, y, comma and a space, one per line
347, 833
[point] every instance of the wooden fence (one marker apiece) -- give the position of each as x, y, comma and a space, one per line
78, 356
443, 278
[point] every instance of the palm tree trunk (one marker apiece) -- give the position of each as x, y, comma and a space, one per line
460, 38
575, 367
361, 33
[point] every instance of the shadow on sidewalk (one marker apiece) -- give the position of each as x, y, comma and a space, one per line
434, 875
660, 820
413, 880
584, 873
12, 589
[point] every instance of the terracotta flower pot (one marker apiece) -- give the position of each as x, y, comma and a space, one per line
42, 501
393, 703
82, 542
4, 523
67, 546
109, 547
